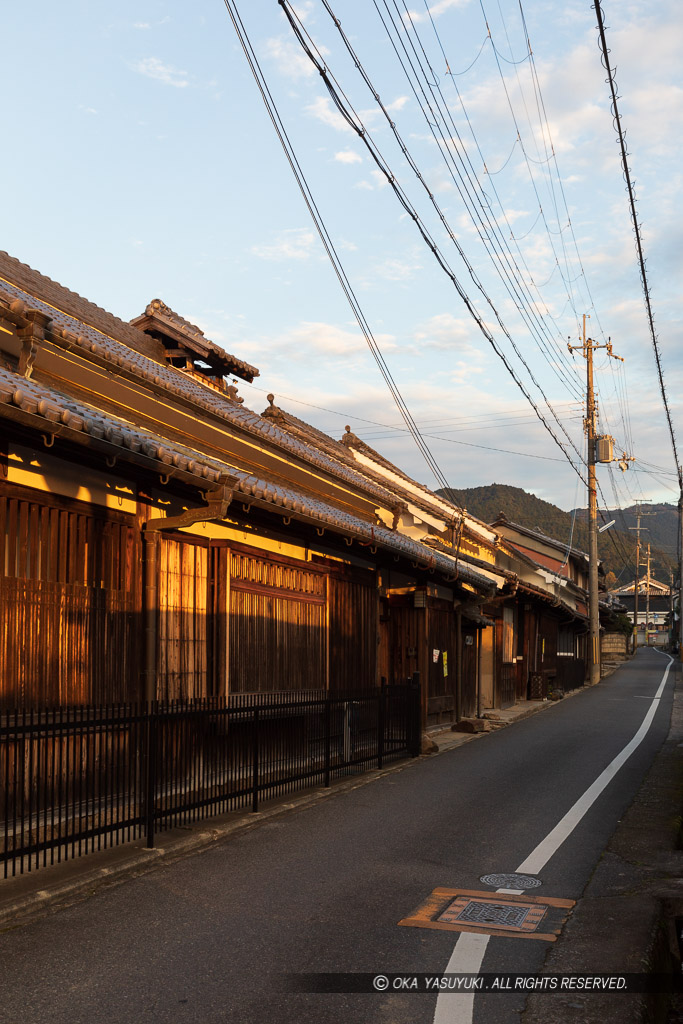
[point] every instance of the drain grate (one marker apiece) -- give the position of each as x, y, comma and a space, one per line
511, 881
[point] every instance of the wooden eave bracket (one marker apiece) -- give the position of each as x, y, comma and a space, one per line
216, 508
31, 337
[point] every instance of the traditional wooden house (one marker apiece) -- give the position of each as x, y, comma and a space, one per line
160, 540
655, 608
543, 637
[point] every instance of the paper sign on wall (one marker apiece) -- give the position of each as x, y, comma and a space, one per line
445, 663
435, 655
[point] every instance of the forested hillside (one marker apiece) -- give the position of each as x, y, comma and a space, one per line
616, 546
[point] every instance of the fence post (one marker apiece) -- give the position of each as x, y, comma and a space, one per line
150, 774
254, 799
328, 738
380, 721
416, 716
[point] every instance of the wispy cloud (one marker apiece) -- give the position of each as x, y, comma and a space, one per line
324, 110
347, 156
435, 10
152, 67
314, 337
296, 244
447, 333
290, 59
303, 9
393, 269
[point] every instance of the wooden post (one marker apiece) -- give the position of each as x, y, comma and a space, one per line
458, 663
151, 544
423, 660
479, 634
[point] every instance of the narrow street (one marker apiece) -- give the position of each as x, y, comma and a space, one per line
322, 889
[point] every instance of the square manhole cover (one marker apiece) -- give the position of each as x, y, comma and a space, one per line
462, 910
524, 917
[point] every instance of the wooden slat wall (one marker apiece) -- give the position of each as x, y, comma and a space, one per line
547, 644
277, 629
353, 633
182, 621
441, 637
404, 637
68, 588
468, 686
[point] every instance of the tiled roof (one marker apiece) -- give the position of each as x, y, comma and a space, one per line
56, 295
430, 501
61, 411
340, 450
158, 317
502, 521
93, 343
58, 409
551, 599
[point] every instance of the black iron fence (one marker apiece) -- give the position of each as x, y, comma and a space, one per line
74, 780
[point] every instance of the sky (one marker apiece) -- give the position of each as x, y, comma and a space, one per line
140, 162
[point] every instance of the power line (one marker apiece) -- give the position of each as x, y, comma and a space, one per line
611, 81
328, 245
377, 423
549, 149
464, 176
354, 122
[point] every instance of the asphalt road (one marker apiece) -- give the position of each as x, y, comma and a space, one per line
321, 889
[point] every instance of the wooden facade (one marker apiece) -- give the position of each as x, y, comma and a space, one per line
69, 597
160, 541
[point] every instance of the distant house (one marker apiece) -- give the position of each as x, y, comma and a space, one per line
654, 608
544, 640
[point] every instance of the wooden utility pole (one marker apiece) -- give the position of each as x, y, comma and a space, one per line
647, 599
639, 513
680, 570
587, 347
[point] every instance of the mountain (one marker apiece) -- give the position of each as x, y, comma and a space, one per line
616, 546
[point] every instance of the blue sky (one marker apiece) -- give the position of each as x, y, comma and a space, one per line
143, 164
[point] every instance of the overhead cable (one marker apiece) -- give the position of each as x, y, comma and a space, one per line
353, 120
611, 81
328, 245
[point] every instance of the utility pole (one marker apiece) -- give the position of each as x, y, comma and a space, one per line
587, 347
680, 570
639, 513
647, 599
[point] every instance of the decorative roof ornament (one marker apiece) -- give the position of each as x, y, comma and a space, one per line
157, 308
181, 339
273, 412
350, 439
231, 392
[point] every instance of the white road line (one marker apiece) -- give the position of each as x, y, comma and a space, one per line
468, 953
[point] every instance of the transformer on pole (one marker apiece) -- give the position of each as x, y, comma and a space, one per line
599, 448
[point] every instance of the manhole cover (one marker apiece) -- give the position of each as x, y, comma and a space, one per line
463, 910
485, 914
494, 913
510, 881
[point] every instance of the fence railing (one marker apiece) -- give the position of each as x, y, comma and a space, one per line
74, 780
